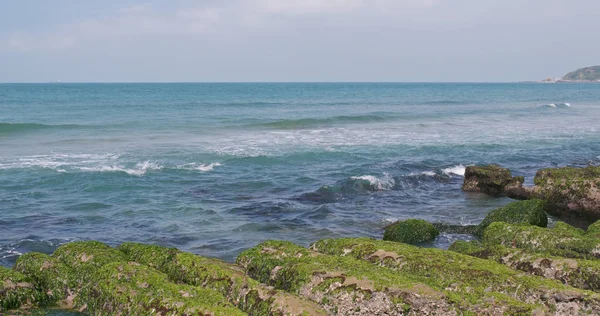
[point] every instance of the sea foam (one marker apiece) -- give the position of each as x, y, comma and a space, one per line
386, 182
458, 170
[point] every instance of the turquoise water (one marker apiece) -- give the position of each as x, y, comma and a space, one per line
216, 168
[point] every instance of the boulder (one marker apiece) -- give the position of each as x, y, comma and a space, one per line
573, 194
522, 212
411, 231
491, 179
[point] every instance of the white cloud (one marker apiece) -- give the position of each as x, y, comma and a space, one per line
124, 23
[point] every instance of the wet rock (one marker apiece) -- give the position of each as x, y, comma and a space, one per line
16, 290
523, 212
471, 279
563, 240
411, 231
579, 273
227, 279
342, 285
134, 289
48, 275
491, 179
572, 193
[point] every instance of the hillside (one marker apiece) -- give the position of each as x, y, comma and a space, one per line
584, 74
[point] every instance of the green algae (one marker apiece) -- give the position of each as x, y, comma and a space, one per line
134, 289
521, 212
593, 231
562, 241
411, 231
229, 280
572, 193
579, 273
16, 290
340, 284
490, 179
466, 280
48, 275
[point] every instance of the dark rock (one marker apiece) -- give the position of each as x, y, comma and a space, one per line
573, 194
491, 179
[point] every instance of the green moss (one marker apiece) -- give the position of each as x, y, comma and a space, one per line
300, 271
133, 289
466, 280
521, 212
561, 241
227, 279
490, 179
47, 274
16, 290
466, 247
579, 273
593, 230
412, 231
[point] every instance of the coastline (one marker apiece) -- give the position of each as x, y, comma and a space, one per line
556, 270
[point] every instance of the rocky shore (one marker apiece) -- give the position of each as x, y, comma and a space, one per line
517, 266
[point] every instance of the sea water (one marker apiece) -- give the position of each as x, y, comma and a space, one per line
217, 168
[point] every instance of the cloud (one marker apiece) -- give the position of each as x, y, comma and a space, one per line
308, 6
127, 22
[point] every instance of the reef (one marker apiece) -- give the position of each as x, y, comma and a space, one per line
491, 179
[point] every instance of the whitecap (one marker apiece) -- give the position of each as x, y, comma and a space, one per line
208, 167
386, 182
458, 170
424, 173
140, 169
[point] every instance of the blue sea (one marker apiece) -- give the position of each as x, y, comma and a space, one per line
216, 168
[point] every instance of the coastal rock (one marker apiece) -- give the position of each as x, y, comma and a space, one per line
227, 279
464, 281
137, 279
521, 212
411, 231
16, 290
579, 273
563, 240
491, 179
572, 193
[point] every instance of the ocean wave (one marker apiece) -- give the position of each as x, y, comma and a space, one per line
140, 169
202, 167
350, 187
316, 122
458, 170
557, 105
6, 128
373, 183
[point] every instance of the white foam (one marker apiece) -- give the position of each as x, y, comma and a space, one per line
140, 169
551, 105
456, 170
386, 182
203, 167
567, 104
424, 173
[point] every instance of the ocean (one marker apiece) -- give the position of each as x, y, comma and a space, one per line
215, 168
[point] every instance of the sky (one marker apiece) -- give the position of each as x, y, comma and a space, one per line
294, 40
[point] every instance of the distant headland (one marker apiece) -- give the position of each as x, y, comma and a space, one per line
587, 74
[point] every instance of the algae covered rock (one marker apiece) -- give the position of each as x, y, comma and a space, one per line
411, 231
48, 275
563, 240
16, 290
579, 273
522, 212
229, 280
572, 193
593, 231
466, 281
134, 289
491, 179
342, 285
